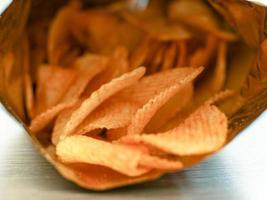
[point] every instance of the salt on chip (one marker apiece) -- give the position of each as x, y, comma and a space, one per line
144, 114
42, 120
204, 131
99, 96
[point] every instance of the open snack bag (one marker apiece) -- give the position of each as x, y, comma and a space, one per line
115, 93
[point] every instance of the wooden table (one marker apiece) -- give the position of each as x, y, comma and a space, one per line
239, 171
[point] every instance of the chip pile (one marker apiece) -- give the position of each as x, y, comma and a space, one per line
133, 92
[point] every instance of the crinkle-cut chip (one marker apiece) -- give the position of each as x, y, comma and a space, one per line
84, 149
43, 119
95, 177
149, 86
204, 131
218, 98
169, 57
87, 66
182, 51
201, 57
158, 59
171, 108
197, 14
117, 65
140, 53
144, 114
126, 160
61, 32
113, 114
99, 96
61, 122
53, 82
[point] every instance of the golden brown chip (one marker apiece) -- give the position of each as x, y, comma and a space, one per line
42, 120
197, 14
126, 160
29, 99
204, 131
182, 51
169, 57
149, 86
140, 53
202, 56
60, 34
99, 96
171, 108
144, 114
114, 114
87, 68
88, 150
53, 82
158, 59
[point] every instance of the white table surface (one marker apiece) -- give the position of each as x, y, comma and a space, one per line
239, 171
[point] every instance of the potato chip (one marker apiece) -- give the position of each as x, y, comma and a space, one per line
52, 84
158, 59
202, 56
140, 53
157, 27
117, 65
149, 86
104, 31
114, 114
144, 114
131, 163
215, 81
182, 51
171, 108
99, 96
88, 150
197, 14
169, 57
87, 67
29, 99
61, 33
42, 120
204, 131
